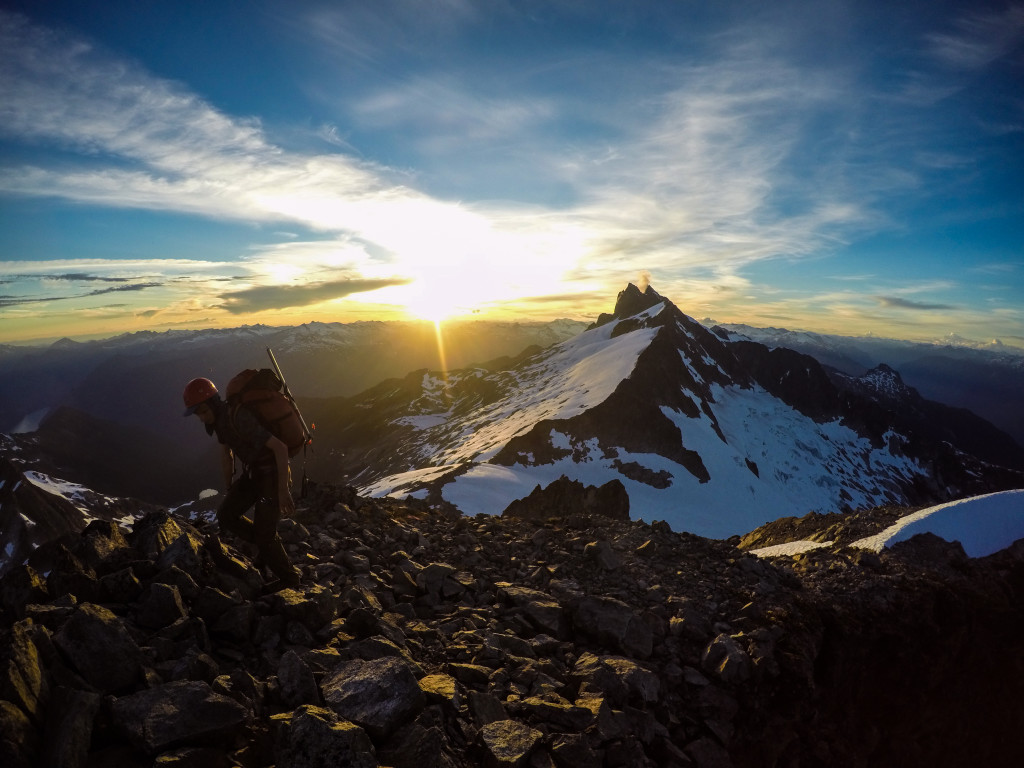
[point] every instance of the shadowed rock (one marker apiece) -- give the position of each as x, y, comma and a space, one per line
176, 714
100, 648
378, 695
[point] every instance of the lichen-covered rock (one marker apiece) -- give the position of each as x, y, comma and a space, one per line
378, 695
178, 714
23, 679
314, 737
507, 743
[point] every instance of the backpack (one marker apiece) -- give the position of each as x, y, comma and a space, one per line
260, 391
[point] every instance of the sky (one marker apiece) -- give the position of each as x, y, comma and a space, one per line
841, 166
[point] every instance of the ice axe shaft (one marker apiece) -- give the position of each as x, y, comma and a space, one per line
287, 393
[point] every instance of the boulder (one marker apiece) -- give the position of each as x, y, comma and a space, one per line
296, 683
185, 713
314, 737
19, 741
96, 643
613, 623
507, 743
68, 732
103, 546
378, 695
23, 680
313, 607
619, 679
603, 555
160, 607
726, 658
541, 609
414, 746
154, 533
20, 586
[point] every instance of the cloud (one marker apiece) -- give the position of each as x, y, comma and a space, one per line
264, 297
898, 303
13, 301
979, 38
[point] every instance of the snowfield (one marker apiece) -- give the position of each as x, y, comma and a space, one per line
982, 524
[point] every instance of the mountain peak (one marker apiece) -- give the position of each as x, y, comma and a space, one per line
631, 301
886, 381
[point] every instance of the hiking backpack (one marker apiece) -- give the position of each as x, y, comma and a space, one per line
261, 392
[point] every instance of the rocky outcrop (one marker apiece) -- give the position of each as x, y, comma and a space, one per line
423, 639
565, 497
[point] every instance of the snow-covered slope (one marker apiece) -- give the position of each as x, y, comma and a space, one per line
712, 437
982, 524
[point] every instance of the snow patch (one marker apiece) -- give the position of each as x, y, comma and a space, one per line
790, 548
982, 524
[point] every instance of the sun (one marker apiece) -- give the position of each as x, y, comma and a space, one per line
437, 300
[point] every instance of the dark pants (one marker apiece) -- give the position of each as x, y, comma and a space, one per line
257, 488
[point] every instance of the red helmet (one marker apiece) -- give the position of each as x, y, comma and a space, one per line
197, 392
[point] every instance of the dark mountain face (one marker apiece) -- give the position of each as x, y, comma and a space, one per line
986, 381
714, 436
36, 509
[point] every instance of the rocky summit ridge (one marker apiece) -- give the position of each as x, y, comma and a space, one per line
547, 637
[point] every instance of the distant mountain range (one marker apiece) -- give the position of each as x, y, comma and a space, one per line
988, 380
714, 429
108, 413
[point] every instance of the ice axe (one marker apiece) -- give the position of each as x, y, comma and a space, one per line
306, 431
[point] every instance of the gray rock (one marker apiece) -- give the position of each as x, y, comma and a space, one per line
120, 586
725, 658
614, 623
414, 746
542, 610
560, 714
177, 714
486, 708
185, 553
19, 742
154, 533
100, 649
103, 544
23, 679
194, 757
378, 695
313, 737
507, 743
296, 681
313, 606
20, 586
441, 689
69, 727
160, 607
619, 679
432, 578
602, 553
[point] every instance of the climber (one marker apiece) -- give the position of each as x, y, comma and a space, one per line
263, 483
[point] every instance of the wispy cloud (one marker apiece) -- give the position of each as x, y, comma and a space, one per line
895, 302
13, 301
979, 38
261, 298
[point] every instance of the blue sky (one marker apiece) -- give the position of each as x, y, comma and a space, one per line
845, 167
